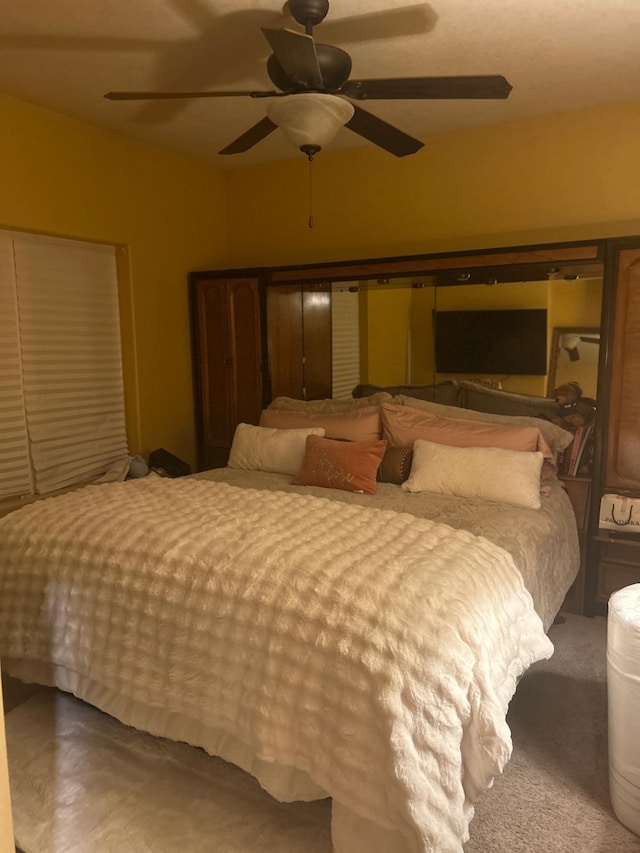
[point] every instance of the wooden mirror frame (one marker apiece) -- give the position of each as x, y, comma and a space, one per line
506, 264
476, 266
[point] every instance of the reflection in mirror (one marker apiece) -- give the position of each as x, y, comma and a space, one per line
383, 330
345, 341
575, 351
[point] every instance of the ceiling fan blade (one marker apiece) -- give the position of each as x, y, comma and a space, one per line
250, 137
436, 88
383, 134
296, 53
162, 96
403, 21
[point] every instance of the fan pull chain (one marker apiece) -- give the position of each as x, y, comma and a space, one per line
310, 220
434, 314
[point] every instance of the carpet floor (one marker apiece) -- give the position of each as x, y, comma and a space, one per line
83, 783
554, 794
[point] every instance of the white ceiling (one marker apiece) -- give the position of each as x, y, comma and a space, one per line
65, 54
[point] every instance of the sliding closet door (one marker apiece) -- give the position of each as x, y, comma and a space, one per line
246, 356
623, 433
286, 356
316, 313
614, 555
300, 341
227, 361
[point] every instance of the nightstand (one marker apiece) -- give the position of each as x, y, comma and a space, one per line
578, 489
618, 564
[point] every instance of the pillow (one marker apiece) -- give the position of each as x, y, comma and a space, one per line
350, 466
482, 398
441, 392
396, 465
358, 425
261, 449
402, 425
491, 473
331, 406
558, 439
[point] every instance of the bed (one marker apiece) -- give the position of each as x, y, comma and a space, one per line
363, 647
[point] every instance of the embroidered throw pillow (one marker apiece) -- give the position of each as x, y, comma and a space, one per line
350, 466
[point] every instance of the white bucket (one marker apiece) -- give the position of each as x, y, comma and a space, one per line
623, 689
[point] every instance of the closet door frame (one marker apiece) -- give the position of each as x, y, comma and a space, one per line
213, 451
619, 252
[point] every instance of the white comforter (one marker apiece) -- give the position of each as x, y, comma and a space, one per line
375, 651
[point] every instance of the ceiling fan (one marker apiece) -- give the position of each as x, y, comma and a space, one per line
571, 342
314, 93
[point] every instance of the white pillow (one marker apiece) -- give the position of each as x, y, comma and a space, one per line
265, 449
492, 473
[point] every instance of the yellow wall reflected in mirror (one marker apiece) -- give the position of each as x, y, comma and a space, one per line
396, 328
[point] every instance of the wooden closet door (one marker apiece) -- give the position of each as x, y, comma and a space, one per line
213, 366
622, 470
316, 312
227, 362
300, 341
613, 559
246, 374
286, 368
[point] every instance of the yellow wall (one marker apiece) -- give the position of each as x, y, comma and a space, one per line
67, 178
575, 303
387, 335
559, 177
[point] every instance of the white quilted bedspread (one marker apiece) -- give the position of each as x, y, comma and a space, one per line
373, 650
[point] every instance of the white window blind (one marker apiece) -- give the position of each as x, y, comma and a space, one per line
14, 446
345, 342
70, 359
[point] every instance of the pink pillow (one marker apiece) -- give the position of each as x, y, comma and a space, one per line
346, 465
358, 425
402, 425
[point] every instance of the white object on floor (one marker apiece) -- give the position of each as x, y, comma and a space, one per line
623, 686
81, 782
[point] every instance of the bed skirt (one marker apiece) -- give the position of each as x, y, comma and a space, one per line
349, 831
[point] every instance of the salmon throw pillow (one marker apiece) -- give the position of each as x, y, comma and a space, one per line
348, 465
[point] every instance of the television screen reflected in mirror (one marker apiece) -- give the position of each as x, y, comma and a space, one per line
383, 332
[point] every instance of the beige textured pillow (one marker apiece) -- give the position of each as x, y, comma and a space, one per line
361, 424
491, 473
280, 451
557, 438
330, 406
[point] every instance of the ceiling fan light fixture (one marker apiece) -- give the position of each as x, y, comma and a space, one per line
315, 90
310, 120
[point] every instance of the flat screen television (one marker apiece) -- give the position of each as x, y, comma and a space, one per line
498, 342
